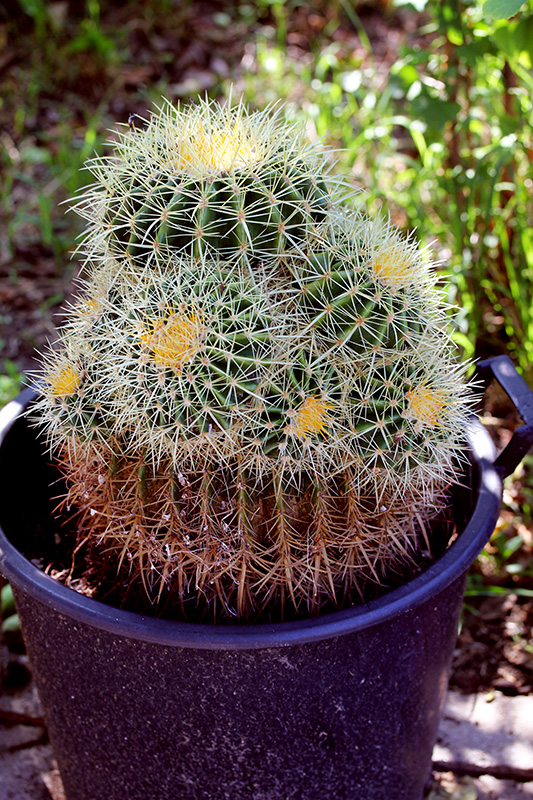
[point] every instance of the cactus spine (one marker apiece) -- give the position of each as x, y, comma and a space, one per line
260, 430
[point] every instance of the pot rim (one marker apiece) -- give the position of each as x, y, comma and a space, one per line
451, 565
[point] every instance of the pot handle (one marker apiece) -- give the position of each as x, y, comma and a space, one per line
502, 369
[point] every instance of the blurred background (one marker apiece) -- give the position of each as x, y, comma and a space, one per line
429, 106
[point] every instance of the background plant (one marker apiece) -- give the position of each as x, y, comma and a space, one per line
448, 135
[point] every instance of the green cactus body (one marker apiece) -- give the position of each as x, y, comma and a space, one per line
259, 215
221, 184
77, 408
201, 351
348, 310
359, 295
405, 416
256, 402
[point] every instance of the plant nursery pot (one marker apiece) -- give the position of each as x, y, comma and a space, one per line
342, 706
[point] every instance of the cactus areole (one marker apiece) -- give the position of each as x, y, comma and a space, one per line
255, 401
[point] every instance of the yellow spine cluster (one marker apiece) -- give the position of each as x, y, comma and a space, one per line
175, 340
311, 418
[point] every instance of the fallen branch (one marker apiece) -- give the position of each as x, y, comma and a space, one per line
504, 772
15, 718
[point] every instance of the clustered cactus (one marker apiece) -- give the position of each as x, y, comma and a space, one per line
255, 400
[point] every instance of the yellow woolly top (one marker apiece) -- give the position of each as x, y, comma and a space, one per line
176, 340
389, 268
311, 417
64, 380
90, 308
393, 265
425, 405
224, 149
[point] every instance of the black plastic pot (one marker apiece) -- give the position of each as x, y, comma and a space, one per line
343, 706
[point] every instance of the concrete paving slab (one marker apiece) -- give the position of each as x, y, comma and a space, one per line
22, 767
486, 731
450, 787
21, 774
489, 788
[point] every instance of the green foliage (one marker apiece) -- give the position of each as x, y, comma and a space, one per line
10, 382
10, 629
36, 9
65, 62
445, 143
502, 9
91, 37
7, 601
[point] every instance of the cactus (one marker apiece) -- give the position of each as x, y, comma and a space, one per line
207, 181
259, 437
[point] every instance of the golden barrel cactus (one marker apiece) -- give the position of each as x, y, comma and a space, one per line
262, 420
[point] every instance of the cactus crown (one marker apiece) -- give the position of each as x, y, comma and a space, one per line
207, 180
255, 400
